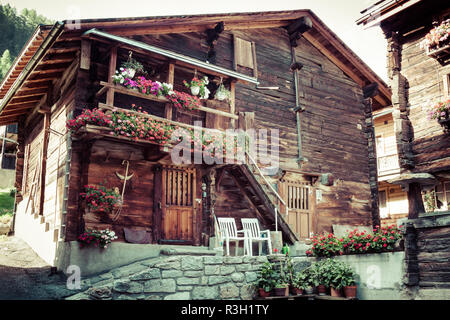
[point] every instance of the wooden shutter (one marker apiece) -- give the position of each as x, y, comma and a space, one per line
244, 55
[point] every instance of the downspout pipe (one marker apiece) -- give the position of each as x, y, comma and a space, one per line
298, 107
295, 31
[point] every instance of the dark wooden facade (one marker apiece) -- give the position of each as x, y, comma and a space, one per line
324, 177
418, 80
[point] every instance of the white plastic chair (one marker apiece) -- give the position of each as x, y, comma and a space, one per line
251, 226
228, 230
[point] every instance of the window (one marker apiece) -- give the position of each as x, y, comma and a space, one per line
443, 196
245, 56
382, 203
381, 148
446, 81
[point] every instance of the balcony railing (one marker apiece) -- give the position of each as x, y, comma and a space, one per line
388, 164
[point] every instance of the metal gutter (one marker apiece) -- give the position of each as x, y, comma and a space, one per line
32, 64
173, 55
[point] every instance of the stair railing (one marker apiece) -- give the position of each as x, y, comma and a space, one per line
280, 199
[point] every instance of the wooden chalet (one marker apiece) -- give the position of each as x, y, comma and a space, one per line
419, 78
285, 70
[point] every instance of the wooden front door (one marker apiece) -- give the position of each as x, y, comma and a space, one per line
178, 205
299, 198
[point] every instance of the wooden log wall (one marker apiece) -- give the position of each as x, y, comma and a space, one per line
425, 78
417, 82
105, 161
333, 135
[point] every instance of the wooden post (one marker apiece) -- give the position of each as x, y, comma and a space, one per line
170, 79
157, 203
233, 102
111, 72
44, 161
415, 204
20, 159
85, 57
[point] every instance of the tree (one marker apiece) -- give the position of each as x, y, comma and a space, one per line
5, 63
16, 30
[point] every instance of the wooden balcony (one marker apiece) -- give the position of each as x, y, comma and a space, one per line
388, 166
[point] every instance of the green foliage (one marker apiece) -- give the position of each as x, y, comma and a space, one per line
16, 30
430, 201
5, 63
6, 203
267, 277
328, 272
300, 280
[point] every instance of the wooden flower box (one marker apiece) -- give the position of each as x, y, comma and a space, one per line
440, 52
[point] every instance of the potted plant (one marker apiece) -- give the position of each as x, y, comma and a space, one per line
300, 282
99, 199
337, 270
198, 87
222, 93
348, 282
281, 288
98, 238
437, 38
322, 269
132, 66
440, 111
312, 274
266, 279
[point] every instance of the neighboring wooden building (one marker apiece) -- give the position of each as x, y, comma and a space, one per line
8, 135
419, 78
286, 71
393, 201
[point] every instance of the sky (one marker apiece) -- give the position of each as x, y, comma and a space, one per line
338, 15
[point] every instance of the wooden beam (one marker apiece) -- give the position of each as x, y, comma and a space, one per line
168, 109
85, 58
21, 104
18, 99
111, 72
44, 161
233, 103
31, 92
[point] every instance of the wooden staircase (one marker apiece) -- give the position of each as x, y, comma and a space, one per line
263, 199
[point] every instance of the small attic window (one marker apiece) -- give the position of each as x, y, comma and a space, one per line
245, 56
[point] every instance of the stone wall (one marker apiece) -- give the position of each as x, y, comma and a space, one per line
179, 277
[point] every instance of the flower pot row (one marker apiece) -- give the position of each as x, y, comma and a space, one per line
347, 291
324, 277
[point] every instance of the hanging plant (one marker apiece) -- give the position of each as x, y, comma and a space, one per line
132, 66
222, 93
198, 87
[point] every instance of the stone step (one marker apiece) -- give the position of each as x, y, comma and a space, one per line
195, 251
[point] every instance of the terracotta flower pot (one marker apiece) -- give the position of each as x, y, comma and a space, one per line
263, 293
350, 291
297, 291
336, 292
321, 290
281, 292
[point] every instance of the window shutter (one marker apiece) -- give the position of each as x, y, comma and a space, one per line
244, 55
